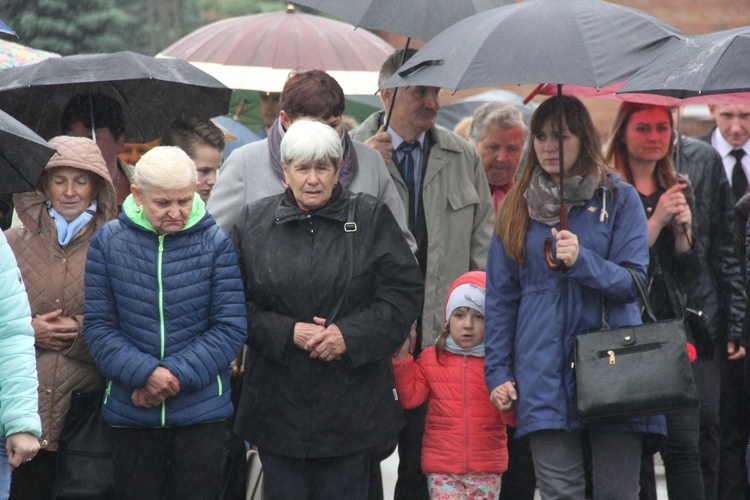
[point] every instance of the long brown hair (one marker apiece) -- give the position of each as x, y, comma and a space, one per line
616, 153
441, 340
513, 217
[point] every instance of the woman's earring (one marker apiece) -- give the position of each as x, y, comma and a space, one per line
137, 210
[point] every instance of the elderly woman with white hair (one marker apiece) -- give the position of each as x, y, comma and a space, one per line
164, 317
332, 289
498, 133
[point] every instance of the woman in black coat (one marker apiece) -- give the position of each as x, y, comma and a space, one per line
318, 390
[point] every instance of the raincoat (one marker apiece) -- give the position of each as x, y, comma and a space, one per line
294, 266
533, 313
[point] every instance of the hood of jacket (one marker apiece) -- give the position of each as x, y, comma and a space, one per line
138, 217
76, 152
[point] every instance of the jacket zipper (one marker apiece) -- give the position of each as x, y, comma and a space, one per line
106, 392
466, 412
613, 353
568, 402
161, 319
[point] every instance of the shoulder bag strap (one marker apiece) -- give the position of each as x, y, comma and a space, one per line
644, 300
350, 227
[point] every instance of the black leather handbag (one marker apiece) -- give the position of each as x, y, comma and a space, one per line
84, 457
632, 371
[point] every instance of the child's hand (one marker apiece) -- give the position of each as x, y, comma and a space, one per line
503, 396
403, 351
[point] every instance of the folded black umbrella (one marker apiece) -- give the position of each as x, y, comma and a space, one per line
152, 92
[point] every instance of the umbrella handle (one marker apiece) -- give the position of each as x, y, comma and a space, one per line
554, 264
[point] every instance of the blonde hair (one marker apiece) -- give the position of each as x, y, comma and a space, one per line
165, 167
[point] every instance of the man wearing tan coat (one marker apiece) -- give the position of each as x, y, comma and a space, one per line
449, 210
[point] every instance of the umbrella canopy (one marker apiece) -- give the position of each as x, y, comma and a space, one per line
14, 54
4, 28
420, 19
450, 114
258, 52
152, 92
579, 42
698, 67
242, 134
23, 156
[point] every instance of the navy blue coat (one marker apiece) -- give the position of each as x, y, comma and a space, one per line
533, 313
175, 301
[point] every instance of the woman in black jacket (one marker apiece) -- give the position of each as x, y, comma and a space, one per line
318, 390
641, 148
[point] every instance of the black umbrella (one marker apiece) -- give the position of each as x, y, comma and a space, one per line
579, 42
420, 19
152, 92
702, 66
23, 156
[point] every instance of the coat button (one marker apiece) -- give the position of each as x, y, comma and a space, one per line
57, 301
44, 443
48, 391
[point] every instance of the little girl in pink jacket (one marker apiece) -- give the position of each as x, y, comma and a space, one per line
464, 447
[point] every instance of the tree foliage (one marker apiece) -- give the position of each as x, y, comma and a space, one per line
91, 26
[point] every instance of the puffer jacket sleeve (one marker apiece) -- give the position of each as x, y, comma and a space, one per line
115, 355
18, 377
411, 384
209, 354
628, 248
373, 333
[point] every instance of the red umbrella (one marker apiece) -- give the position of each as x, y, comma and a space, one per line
258, 52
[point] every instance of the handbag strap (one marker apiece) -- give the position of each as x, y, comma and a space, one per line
641, 287
350, 227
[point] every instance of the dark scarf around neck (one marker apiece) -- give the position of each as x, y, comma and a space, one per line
348, 170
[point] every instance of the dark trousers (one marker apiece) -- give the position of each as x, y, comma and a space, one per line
168, 463
345, 477
708, 380
412, 483
682, 460
519, 481
734, 417
34, 480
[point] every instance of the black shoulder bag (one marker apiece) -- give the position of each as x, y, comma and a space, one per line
633, 371
350, 227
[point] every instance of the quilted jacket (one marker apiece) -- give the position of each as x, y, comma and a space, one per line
172, 300
463, 431
54, 280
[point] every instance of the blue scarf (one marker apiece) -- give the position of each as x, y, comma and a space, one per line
452, 347
67, 230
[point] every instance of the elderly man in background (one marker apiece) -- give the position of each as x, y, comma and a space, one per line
498, 133
444, 190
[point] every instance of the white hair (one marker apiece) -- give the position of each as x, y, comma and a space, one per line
311, 142
165, 167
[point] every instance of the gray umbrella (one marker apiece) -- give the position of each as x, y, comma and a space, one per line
152, 92
23, 156
420, 19
578, 42
702, 66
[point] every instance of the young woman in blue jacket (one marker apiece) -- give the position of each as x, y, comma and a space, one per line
533, 312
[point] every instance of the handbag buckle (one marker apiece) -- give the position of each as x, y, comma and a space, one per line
350, 227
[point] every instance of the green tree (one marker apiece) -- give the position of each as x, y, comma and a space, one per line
68, 27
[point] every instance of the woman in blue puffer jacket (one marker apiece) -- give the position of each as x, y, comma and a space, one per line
164, 317
533, 313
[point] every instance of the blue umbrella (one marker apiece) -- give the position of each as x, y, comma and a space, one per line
243, 134
4, 28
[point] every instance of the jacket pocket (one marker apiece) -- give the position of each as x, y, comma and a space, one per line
463, 198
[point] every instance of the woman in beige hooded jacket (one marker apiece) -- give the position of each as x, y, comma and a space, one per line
75, 196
